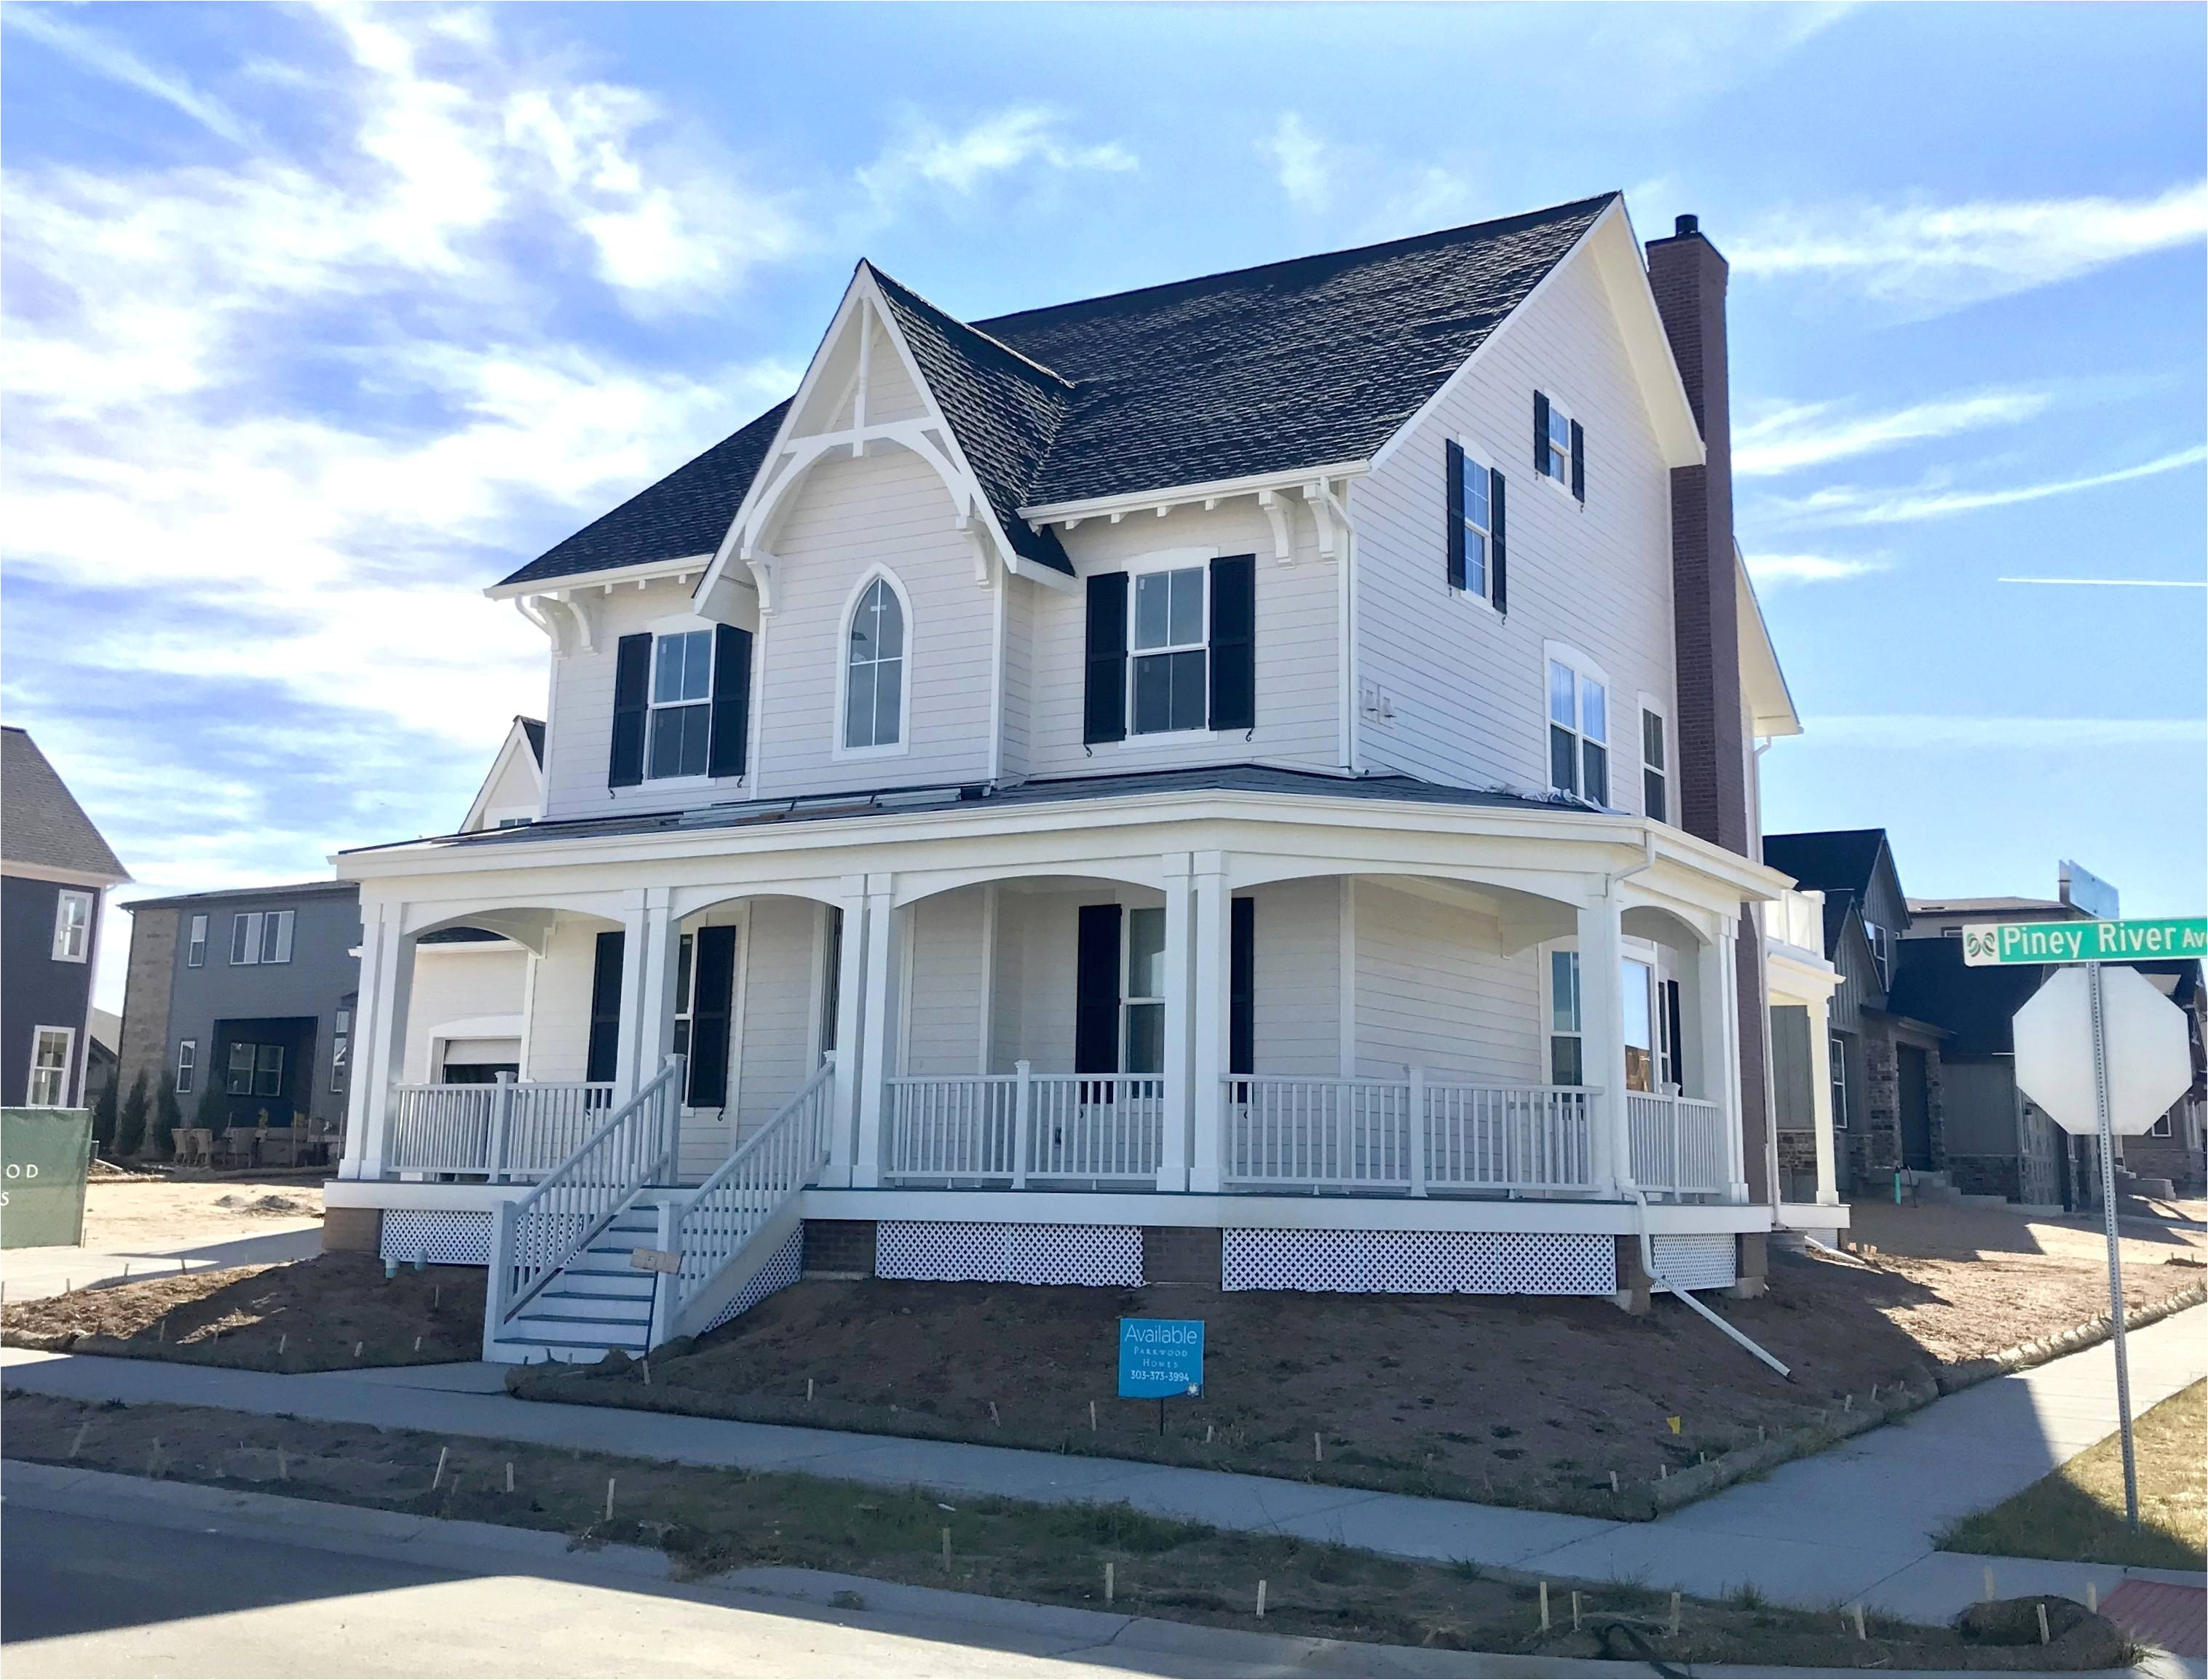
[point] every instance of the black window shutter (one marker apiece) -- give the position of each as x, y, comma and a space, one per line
1541, 432
1104, 710
1498, 568
1096, 991
632, 702
1453, 454
1578, 461
1234, 642
732, 704
713, 990
1241, 987
604, 1059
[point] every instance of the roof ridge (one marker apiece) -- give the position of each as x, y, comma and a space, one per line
1524, 218
922, 298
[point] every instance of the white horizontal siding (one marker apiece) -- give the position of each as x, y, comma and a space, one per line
559, 1028
1295, 1001
1433, 990
780, 1004
458, 983
1468, 688
945, 984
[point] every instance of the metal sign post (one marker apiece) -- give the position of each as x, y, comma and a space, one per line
2107, 1133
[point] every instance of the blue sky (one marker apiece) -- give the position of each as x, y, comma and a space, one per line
318, 321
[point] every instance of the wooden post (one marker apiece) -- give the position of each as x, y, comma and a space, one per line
1416, 1120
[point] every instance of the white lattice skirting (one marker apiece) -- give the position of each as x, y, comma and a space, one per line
1100, 1256
1419, 1262
778, 1272
1697, 1260
443, 1239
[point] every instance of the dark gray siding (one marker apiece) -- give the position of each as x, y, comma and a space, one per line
36, 991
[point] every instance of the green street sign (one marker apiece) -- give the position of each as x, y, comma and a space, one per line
2016, 942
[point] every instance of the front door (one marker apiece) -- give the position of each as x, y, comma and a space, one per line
1915, 1098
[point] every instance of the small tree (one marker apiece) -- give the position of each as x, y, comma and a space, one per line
104, 1115
130, 1123
167, 1117
212, 1114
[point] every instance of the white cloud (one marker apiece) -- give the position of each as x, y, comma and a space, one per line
1845, 505
106, 57
1778, 571
1914, 731
928, 156
1799, 434
1925, 258
1301, 162
2115, 583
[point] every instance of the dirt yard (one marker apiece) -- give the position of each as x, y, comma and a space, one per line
1954, 1232
712, 1521
330, 1313
144, 1213
1524, 1402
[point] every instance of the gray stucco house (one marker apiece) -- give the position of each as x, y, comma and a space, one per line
55, 870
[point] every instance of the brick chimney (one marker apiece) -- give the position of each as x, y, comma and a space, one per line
1688, 279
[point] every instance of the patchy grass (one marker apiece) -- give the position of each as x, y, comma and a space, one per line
2078, 1512
712, 1521
333, 1312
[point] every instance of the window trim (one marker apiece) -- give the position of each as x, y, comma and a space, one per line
1196, 559
1556, 453
195, 941
1483, 598
188, 1062
68, 1036
62, 899
1583, 670
653, 707
1650, 707
903, 744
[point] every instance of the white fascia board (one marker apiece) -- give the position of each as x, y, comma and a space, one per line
95, 878
1771, 703
1217, 489
570, 583
1794, 974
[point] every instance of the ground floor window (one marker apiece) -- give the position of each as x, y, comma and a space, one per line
256, 1070
1145, 1048
50, 1064
1567, 1047
340, 1048
187, 1057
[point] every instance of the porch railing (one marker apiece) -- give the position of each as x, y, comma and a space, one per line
752, 1186
502, 1132
1011, 1128
1678, 1144
1409, 1135
540, 1232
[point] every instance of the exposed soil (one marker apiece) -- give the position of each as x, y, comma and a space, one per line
142, 1213
1531, 1402
2153, 1234
712, 1521
333, 1312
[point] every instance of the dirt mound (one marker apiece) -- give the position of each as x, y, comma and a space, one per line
266, 1206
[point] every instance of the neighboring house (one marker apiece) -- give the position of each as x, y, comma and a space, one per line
105, 1036
253, 990
1252, 779
1999, 1142
55, 870
1882, 1065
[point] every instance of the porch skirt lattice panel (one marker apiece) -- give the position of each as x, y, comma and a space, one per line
778, 1272
1697, 1260
1100, 1257
448, 1238
1421, 1262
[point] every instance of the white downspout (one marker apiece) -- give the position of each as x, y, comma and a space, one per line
1346, 610
1657, 1281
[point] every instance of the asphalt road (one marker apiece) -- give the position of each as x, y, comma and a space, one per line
91, 1596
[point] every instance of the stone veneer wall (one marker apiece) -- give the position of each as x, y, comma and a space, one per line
146, 988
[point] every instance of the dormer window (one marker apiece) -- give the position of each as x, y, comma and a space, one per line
681, 704
875, 671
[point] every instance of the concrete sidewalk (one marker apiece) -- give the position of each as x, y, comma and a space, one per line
1854, 1522
36, 1274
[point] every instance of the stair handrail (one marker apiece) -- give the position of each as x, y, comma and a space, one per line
539, 1233
756, 1182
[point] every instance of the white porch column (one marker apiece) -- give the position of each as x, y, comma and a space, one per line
1209, 1021
878, 1031
1602, 1038
655, 993
1719, 982
1173, 1156
368, 1102
850, 990
1821, 1103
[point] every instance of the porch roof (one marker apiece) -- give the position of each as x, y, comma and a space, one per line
1251, 779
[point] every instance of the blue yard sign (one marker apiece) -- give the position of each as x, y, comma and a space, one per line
1160, 1357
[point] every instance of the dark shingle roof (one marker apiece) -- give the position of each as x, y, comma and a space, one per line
1290, 365
222, 895
532, 731
1839, 860
41, 824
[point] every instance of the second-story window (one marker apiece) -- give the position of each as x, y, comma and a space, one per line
258, 936
875, 671
681, 702
195, 946
1654, 781
1559, 445
1579, 730
1168, 643
72, 927
1881, 951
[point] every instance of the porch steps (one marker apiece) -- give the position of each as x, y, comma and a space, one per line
598, 1304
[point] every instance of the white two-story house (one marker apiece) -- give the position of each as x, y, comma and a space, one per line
1249, 780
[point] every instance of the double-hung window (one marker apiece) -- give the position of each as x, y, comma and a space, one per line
256, 1070
1559, 464
1145, 1048
1838, 1050
50, 1052
187, 1060
1567, 1052
260, 936
686, 963
196, 945
1478, 519
875, 671
1881, 951
681, 704
72, 927
1170, 660
1654, 773
1579, 730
